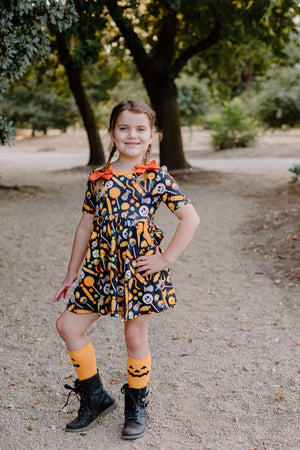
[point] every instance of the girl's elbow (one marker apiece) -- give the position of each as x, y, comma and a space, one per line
196, 222
196, 219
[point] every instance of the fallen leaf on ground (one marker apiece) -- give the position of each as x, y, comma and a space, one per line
231, 345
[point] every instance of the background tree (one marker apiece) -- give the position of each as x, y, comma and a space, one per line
91, 71
24, 40
78, 48
40, 99
163, 35
275, 94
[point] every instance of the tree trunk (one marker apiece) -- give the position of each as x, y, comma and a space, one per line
163, 96
97, 156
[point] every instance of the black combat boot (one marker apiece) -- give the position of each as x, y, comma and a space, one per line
135, 412
94, 402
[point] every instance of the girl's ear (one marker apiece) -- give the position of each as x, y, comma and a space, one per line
152, 135
111, 133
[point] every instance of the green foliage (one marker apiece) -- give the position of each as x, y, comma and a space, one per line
130, 86
101, 78
278, 100
296, 171
83, 39
164, 35
232, 126
6, 130
242, 54
40, 100
24, 38
193, 98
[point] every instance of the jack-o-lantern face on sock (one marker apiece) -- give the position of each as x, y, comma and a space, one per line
143, 371
138, 372
75, 363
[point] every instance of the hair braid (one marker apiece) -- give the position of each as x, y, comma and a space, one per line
147, 155
143, 176
112, 152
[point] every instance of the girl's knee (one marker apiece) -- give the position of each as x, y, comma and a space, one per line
63, 327
60, 325
136, 339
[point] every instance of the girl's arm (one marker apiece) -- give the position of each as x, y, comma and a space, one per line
189, 221
80, 246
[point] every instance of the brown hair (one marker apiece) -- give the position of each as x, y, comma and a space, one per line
136, 106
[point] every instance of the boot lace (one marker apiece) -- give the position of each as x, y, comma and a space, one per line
76, 390
131, 410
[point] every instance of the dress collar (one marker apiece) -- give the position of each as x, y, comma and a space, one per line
139, 169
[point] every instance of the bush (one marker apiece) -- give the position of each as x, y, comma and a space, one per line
279, 97
193, 98
232, 127
296, 171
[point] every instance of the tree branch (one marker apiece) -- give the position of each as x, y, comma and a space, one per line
199, 47
132, 40
164, 49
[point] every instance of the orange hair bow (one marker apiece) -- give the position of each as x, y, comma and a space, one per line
139, 168
96, 175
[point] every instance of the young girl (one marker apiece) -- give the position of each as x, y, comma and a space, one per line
125, 271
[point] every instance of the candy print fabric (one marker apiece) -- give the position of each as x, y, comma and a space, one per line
122, 230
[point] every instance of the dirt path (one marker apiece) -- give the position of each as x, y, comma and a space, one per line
225, 369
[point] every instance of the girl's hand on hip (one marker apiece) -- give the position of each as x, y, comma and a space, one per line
68, 281
151, 263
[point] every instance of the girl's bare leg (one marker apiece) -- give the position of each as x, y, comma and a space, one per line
136, 336
72, 327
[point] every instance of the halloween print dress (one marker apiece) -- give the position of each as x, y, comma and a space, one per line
122, 230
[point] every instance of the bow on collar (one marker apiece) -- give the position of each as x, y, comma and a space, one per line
139, 168
96, 175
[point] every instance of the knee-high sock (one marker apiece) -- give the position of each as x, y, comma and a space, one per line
138, 371
84, 361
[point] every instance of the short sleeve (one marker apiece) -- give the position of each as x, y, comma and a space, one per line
89, 203
169, 191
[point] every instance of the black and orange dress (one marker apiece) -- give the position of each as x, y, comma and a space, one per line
123, 229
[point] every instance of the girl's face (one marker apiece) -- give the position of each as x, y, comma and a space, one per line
132, 136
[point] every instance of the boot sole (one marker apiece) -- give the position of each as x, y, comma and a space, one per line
104, 413
134, 436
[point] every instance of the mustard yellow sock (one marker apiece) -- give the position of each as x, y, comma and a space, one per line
84, 361
138, 371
